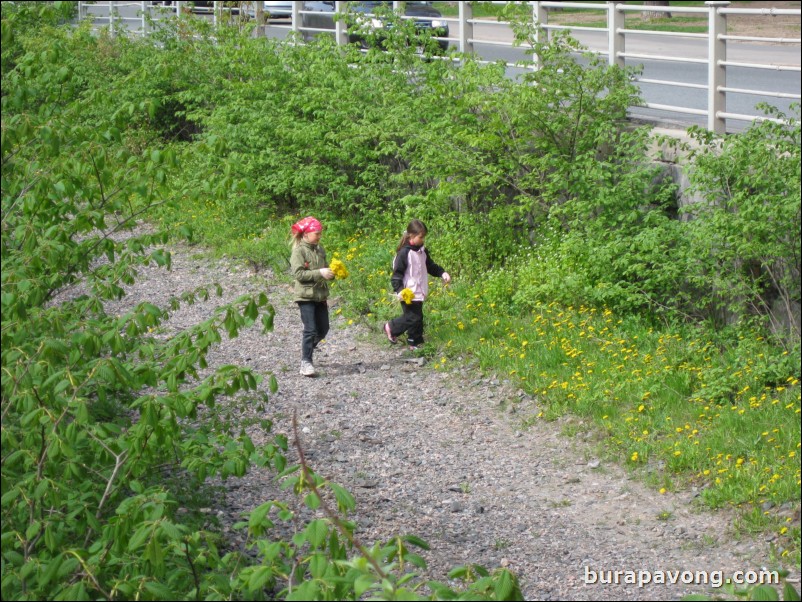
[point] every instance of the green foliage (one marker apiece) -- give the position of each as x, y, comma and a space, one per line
97, 409
744, 246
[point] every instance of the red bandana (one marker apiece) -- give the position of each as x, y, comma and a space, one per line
307, 224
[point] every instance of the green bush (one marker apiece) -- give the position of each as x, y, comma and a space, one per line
744, 253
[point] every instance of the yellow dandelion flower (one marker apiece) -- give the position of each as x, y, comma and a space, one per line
339, 269
407, 295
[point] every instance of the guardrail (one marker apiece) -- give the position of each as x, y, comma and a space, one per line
467, 32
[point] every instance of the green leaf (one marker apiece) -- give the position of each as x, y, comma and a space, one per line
259, 578
458, 572
316, 532
505, 586
345, 501
160, 591
140, 536
318, 564
418, 561
764, 593
48, 574
416, 541
790, 593
258, 514
312, 501
14, 492
155, 554
308, 590
362, 584
33, 530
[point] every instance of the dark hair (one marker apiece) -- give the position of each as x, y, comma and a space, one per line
414, 228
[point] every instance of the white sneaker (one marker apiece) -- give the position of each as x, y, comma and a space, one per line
307, 369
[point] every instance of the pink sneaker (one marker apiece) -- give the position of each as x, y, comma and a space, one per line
389, 334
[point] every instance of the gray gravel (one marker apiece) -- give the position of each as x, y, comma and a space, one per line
441, 455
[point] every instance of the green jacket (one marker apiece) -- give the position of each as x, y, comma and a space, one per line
305, 264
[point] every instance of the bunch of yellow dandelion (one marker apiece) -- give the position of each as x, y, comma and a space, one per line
407, 295
339, 269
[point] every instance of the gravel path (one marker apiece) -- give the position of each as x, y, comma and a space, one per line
439, 455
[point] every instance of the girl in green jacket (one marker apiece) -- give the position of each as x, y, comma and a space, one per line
311, 272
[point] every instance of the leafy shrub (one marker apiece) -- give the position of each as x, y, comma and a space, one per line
745, 250
96, 408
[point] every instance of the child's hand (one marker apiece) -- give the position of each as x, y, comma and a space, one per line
446, 277
327, 273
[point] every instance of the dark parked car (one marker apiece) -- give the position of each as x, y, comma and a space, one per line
320, 16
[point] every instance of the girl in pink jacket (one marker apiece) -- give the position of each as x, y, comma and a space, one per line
411, 269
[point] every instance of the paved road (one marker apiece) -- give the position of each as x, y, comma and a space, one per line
774, 80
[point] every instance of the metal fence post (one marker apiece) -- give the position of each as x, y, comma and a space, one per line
616, 21
144, 12
296, 16
716, 70
540, 17
465, 27
340, 35
111, 18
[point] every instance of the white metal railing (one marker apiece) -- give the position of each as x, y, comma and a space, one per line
138, 17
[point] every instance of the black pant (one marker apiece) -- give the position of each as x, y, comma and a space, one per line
315, 317
410, 322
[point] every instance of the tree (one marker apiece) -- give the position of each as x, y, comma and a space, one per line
656, 14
